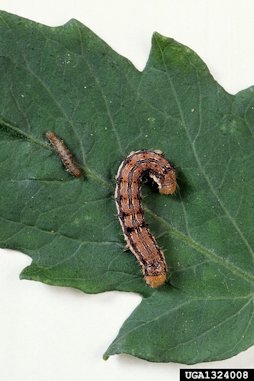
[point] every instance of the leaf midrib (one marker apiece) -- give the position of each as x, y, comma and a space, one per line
178, 234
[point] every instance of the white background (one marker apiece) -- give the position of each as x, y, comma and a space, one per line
57, 334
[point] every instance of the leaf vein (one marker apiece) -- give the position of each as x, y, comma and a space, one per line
178, 103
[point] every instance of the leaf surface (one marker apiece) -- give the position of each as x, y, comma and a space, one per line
67, 80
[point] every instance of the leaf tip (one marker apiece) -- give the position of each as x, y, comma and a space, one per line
160, 38
23, 275
105, 356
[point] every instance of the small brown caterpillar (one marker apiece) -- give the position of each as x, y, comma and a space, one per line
64, 154
131, 215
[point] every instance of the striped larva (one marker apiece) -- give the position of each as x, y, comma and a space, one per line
131, 215
64, 154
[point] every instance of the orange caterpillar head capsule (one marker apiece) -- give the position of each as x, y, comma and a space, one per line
168, 185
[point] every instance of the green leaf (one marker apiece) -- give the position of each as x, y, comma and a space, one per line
67, 80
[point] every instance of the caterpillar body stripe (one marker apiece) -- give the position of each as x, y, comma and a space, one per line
131, 215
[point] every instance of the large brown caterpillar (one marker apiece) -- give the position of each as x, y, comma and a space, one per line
130, 213
64, 154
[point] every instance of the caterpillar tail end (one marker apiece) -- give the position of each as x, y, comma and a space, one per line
155, 281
